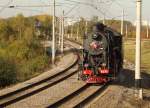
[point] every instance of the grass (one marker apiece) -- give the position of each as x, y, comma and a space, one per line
129, 53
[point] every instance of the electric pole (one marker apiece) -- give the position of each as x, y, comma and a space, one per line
78, 31
138, 50
68, 35
72, 31
104, 20
53, 38
122, 22
126, 30
60, 30
68, 31
62, 36
86, 28
147, 29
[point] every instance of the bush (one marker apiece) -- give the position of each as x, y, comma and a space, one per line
21, 54
8, 72
31, 68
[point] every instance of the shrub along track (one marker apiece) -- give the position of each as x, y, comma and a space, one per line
34, 88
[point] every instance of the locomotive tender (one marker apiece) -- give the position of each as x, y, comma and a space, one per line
102, 56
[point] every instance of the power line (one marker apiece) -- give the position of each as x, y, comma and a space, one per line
27, 9
70, 10
121, 5
12, 6
85, 3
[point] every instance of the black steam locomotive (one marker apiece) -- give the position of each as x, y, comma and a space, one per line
102, 56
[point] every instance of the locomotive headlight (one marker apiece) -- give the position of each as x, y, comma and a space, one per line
103, 64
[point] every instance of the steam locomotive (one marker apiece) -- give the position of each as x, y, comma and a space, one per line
102, 56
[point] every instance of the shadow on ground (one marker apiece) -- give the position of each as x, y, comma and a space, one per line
126, 79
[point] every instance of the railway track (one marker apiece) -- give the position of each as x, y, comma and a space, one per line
79, 98
34, 88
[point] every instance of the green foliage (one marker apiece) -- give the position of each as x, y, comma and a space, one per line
30, 68
8, 72
21, 53
5, 30
46, 27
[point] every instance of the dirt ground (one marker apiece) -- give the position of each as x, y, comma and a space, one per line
121, 93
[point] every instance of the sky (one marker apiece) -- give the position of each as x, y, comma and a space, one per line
112, 9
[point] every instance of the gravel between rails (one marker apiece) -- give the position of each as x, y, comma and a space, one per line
80, 97
50, 95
